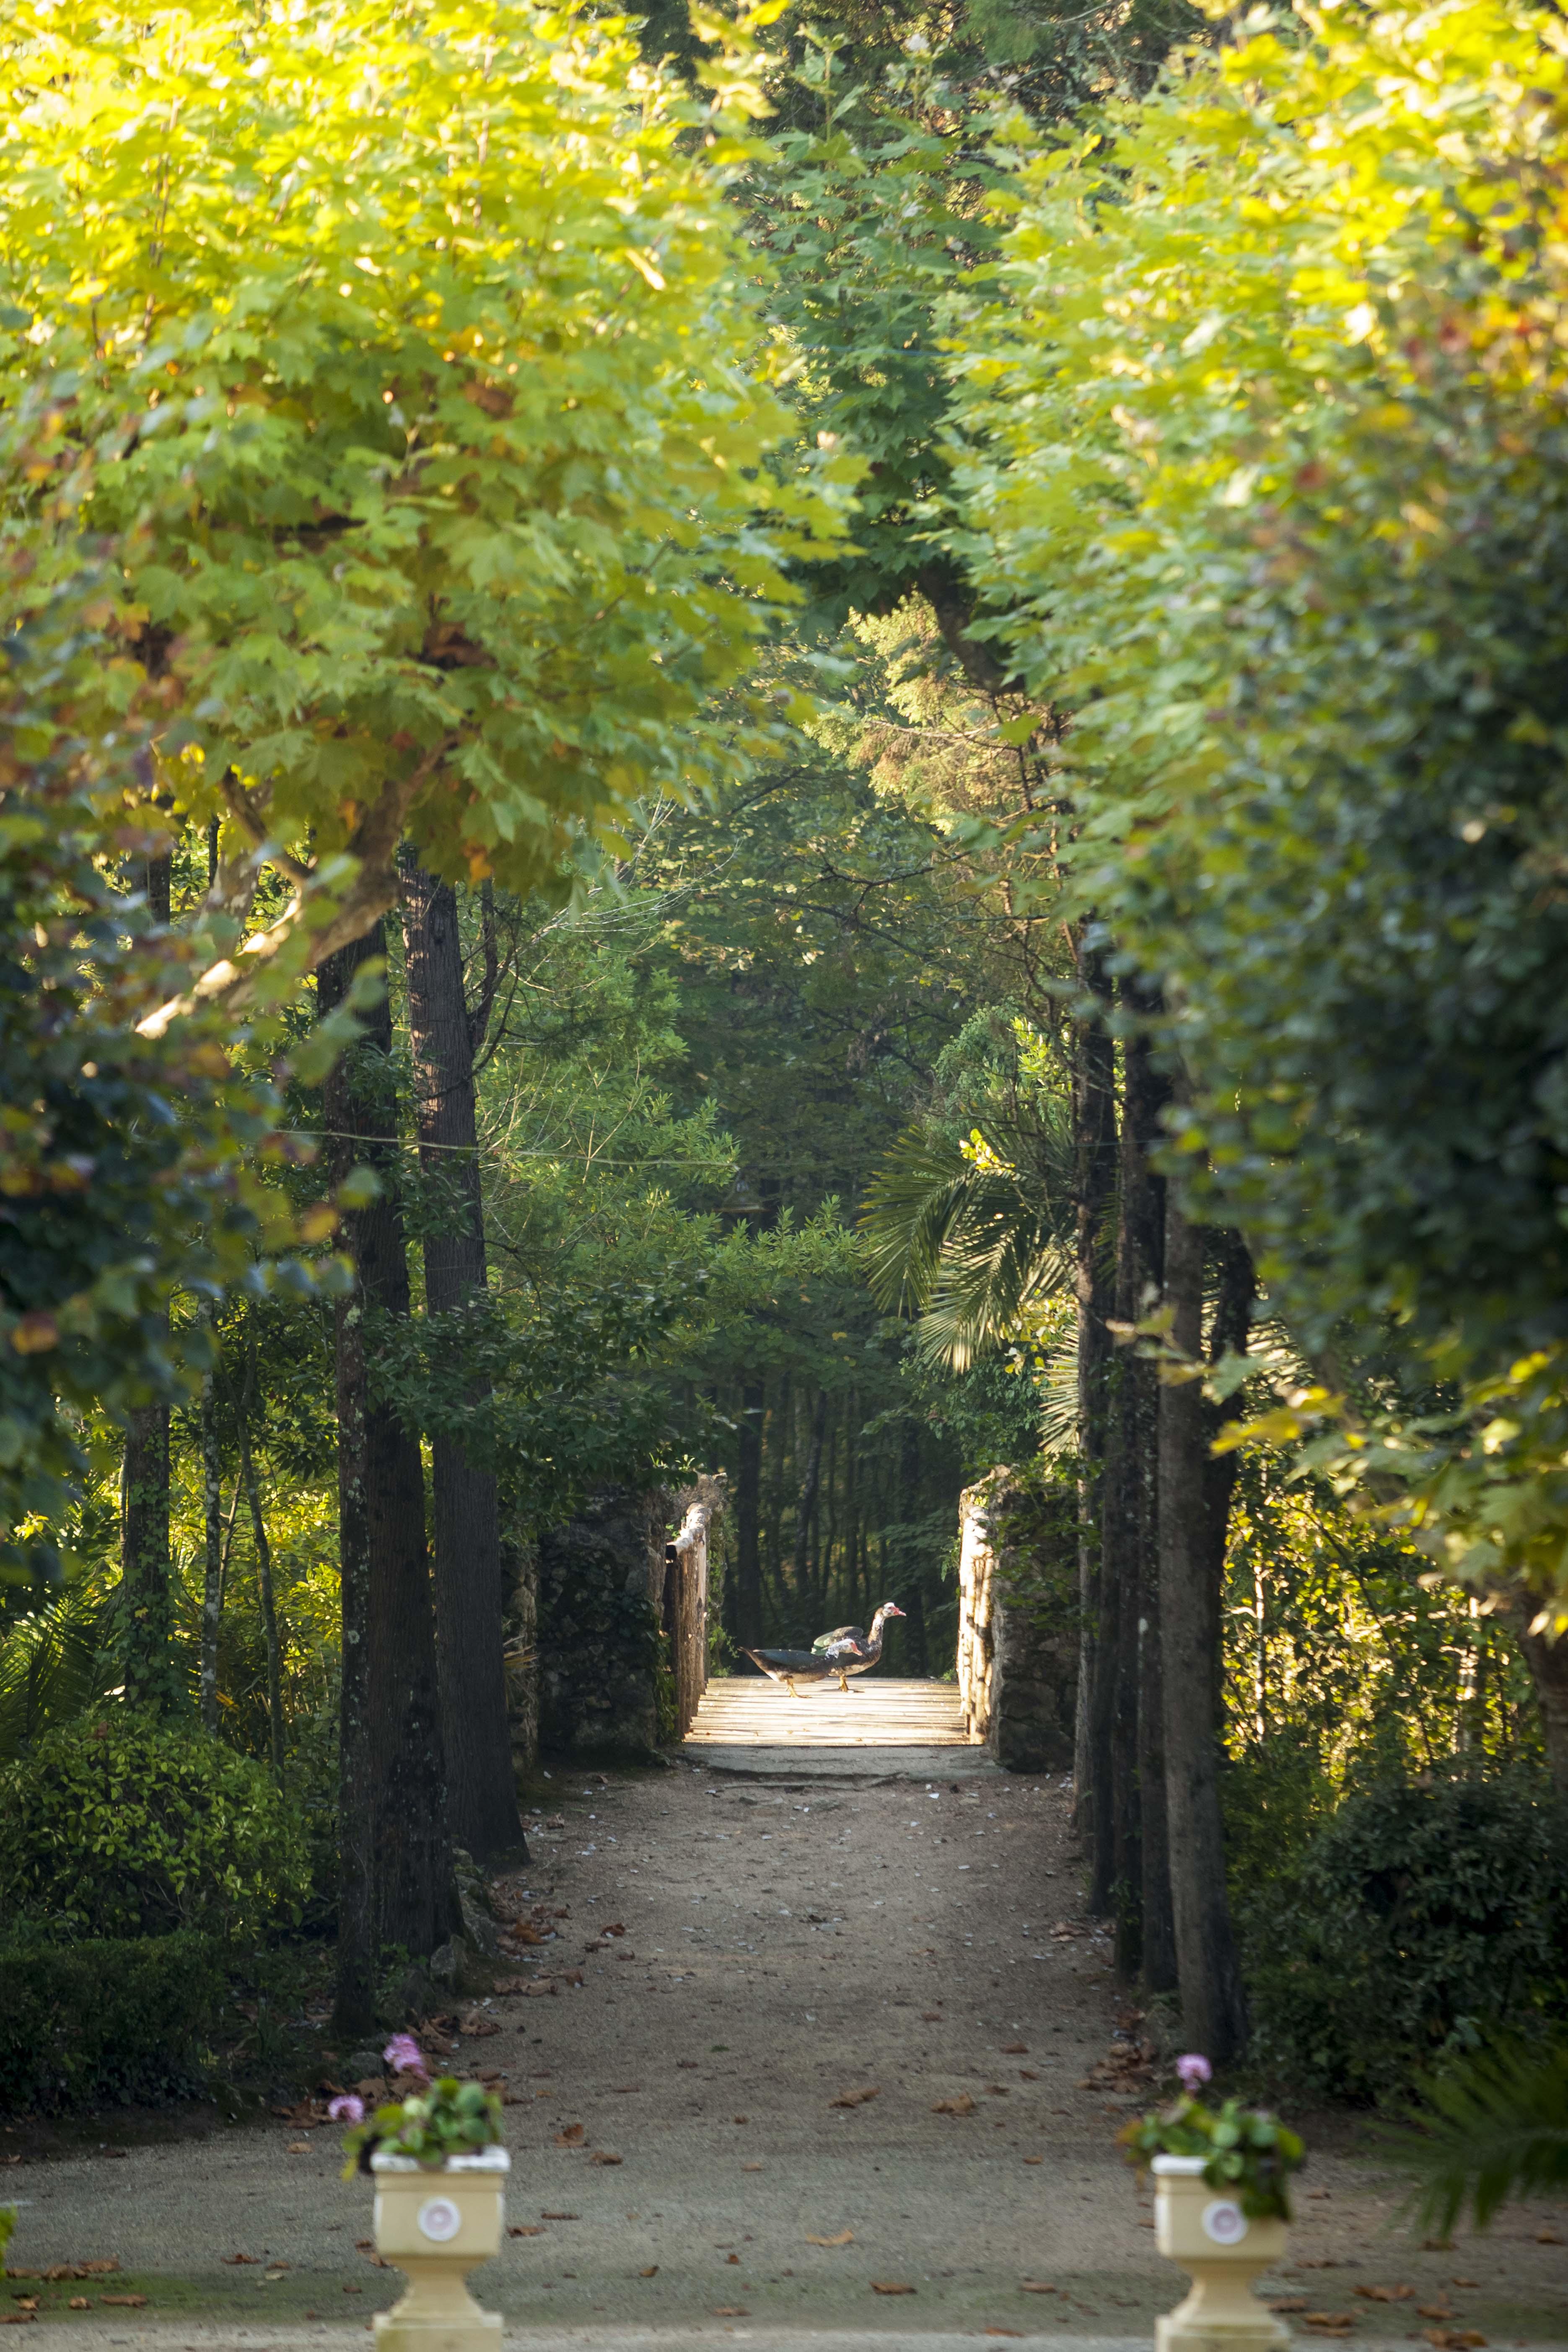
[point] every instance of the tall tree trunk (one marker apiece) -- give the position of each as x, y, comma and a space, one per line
804, 1509
749, 1520
1131, 1557
392, 1794
212, 1515
146, 1571
1194, 1496
1094, 1158
263, 1573
470, 1598
1548, 1664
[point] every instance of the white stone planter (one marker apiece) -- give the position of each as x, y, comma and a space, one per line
435, 2225
1223, 2251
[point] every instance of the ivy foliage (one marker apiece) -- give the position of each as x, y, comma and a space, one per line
1265, 479
425, 335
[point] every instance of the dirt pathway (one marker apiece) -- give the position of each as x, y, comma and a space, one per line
686, 2123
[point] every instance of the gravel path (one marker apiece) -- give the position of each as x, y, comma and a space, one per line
682, 2127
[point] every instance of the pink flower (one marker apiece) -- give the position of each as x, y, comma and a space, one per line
404, 2055
1193, 2071
347, 2110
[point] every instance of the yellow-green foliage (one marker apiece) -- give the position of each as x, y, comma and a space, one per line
1265, 472
423, 333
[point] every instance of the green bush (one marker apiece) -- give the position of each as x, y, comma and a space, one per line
1421, 1917
95, 2023
125, 1825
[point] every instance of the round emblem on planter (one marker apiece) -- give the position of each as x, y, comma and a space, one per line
440, 2219
1224, 2221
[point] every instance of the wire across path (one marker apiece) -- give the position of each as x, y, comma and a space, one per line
748, 1711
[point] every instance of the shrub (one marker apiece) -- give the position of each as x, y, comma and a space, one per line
1422, 1917
95, 2023
129, 1826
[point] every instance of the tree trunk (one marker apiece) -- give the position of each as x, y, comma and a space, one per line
470, 1598
147, 1598
1130, 1566
749, 1520
1548, 1664
263, 1575
211, 1513
391, 1773
806, 1505
1194, 1502
1094, 1157
147, 1609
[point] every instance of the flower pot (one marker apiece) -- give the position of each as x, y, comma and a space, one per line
435, 2224
1223, 2251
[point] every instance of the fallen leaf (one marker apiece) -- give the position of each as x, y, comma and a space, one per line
742, 2119
1027, 2075
845, 2238
1334, 2319
963, 2105
1466, 2282
476, 2023
731, 2311
560, 2217
1434, 2311
525, 2229
570, 2137
18, 2318
1015, 2050
651, 2272
751, 2167
353, 2287
1004, 2331
998, 2090
603, 2155
507, 1987
1287, 2302
299, 2148
1036, 2286
1454, 2339
101, 2268
1386, 2294
890, 2286
689, 2064
855, 2098
126, 2302
1547, 2238
1040, 2159
931, 2017
78, 2303
252, 2258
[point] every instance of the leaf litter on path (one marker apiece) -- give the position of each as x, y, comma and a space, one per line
845, 2238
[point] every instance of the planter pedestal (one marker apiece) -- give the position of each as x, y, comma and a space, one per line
435, 2225
1222, 2251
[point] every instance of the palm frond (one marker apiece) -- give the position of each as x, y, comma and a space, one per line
1493, 2128
911, 1205
50, 1669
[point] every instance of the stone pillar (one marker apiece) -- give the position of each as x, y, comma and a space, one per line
1017, 1643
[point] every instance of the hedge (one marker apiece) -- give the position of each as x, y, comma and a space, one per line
103, 2023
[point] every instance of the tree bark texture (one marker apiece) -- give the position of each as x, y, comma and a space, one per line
1195, 1494
749, 1518
1131, 1557
263, 1576
212, 1517
393, 1774
470, 1583
1548, 1664
146, 1573
1094, 1159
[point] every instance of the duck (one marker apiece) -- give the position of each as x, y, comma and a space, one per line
846, 1650
850, 1649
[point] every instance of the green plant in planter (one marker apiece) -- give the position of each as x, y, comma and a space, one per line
446, 2118
1245, 2150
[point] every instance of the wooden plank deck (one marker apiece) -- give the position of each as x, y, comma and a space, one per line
748, 1711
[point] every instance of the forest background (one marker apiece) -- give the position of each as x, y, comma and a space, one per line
866, 1073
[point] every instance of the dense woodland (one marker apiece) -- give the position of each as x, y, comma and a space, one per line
860, 781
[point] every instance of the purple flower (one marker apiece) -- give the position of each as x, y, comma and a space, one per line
404, 2055
347, 2110
1193, 2071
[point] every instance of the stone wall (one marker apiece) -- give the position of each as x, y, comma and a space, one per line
1017, 1661
600, 1584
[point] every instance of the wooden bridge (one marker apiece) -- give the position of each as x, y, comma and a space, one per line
748, 1711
